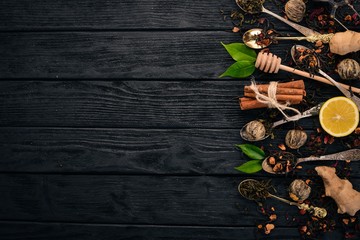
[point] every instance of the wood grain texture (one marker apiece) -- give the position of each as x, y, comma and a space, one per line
133, 151
122, 55
147, 55
132, 104
112, 14
164, 200
57, 231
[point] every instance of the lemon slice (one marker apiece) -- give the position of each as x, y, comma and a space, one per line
339, 116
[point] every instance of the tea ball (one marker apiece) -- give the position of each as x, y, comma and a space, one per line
299, 190
348, 69
295, 10
295, 139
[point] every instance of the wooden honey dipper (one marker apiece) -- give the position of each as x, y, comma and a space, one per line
270, 63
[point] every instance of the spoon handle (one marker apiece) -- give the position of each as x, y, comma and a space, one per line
292, 38
315, 77
316, 211
303, 30
314, 111
350, 155
284, 200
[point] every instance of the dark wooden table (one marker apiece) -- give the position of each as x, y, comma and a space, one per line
115, 125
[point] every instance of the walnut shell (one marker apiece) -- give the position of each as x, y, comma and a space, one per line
348, 69
299, 190
295, 139
295, 10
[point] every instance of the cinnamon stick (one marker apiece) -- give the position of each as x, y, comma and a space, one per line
249, 103
293, 84
279, 97
279, 90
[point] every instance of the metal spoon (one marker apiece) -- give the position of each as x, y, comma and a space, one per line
346, 92
348, 155
250, 185
250, 38
244, 5
335, 5
314, 111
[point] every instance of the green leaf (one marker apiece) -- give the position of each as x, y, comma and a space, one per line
240, 52
251, 166
240, 69
251, 151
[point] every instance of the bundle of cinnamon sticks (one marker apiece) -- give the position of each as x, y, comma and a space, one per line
291, 92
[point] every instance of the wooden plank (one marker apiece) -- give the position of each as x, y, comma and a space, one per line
132, 151
131, 104
44, 231
120, 55
164, 200
125, 14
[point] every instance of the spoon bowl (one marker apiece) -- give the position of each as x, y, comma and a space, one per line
250, 39
348, 155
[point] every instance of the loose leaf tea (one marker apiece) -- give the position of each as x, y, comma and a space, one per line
254, 190
250, 6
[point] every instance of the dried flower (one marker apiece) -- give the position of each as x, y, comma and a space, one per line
269, 227
282, 146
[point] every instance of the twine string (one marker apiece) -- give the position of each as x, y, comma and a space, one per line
271, 102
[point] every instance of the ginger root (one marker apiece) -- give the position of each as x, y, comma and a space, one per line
345, 42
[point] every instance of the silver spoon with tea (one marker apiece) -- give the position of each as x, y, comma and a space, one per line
256, 130
255, 190
256, 38
286, 162
256, 6
302, 55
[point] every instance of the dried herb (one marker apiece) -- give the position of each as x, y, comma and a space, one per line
282, 162
255, 190
250, 6
306, 59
